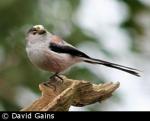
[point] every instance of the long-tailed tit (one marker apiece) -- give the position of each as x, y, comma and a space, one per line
51, 53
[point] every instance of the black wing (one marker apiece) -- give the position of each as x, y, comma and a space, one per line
74, 52
67, 49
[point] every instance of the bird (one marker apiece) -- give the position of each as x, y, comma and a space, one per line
51, 53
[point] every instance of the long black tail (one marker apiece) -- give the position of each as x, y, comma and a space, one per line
112, 65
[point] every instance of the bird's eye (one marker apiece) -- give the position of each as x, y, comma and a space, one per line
42, 32
34, 32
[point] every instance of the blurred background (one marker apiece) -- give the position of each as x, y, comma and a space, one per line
113, 30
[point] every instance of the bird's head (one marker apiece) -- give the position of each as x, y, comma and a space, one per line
37, 29
37, 34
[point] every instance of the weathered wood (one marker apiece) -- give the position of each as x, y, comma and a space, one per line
58, 96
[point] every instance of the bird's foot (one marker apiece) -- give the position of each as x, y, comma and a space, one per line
53, 81
53, 77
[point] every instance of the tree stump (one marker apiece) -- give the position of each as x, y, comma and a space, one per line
58, 96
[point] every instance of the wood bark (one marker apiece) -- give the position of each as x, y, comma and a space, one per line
59, 96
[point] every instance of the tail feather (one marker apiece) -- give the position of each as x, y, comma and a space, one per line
113, 65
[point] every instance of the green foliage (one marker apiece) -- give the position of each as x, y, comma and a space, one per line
136, 7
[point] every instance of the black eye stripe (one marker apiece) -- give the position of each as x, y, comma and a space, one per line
34, 32
42, 32
31, 30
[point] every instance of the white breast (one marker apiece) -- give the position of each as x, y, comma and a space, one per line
35, 53
41, 56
